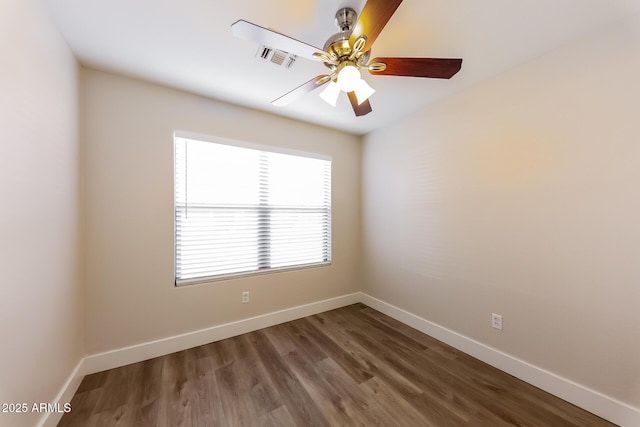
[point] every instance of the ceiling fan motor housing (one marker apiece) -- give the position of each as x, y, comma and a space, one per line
338, 44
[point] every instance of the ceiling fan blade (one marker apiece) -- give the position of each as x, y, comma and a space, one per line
436, 68
372, 19
301, 90
362, 109
249, 31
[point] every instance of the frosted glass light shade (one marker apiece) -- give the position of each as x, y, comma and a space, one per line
348, 78
363, 91
330, 94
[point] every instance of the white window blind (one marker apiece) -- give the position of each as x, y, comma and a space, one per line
240, 210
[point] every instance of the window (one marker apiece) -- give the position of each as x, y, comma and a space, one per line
242, 209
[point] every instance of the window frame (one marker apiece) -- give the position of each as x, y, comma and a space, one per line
253, 146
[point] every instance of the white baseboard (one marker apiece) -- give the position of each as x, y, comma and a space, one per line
604, 406
597, 403
148, 350
64, 396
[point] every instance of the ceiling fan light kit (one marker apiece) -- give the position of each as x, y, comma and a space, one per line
346, 52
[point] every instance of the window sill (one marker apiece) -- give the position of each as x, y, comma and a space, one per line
211, 279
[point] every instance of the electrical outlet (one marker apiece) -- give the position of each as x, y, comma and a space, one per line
245, 297
496, 321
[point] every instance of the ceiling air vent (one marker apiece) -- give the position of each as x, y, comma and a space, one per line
275, 56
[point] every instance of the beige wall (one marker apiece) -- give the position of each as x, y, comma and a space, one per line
40, 297
518, 197
129, 213
522, 197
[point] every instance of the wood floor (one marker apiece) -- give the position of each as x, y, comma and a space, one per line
347, 367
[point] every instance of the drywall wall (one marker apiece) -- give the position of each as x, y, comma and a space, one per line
521, 197
40, 297
128, 135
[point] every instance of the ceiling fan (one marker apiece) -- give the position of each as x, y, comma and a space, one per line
346, 52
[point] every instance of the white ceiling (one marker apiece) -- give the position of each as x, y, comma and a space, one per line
187, 44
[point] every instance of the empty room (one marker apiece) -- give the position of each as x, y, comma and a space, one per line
320, 213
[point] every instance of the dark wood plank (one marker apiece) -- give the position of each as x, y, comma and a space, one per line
83, 404
454, 389
279, 417
349, 363
175, 400
299, 404
300, 339
449, 390
321, 392
207, 401
351, 366
403, 379
280, 339
393, 402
